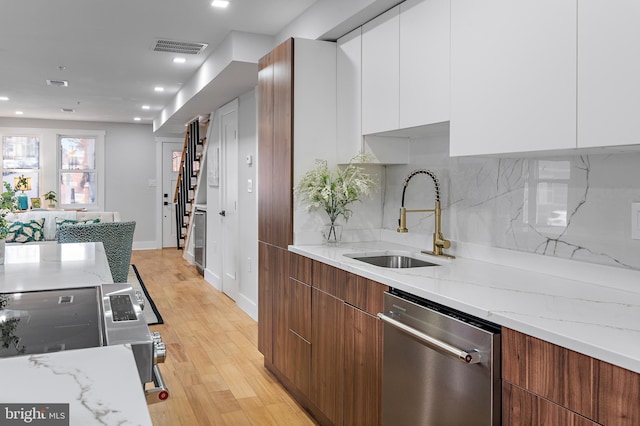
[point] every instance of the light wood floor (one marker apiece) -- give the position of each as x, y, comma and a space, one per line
214, 371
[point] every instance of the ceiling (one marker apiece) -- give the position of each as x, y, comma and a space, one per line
104, 49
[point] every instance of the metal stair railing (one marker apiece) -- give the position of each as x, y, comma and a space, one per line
187, 178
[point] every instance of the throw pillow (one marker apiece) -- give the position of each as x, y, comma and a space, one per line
61, 221
25, 232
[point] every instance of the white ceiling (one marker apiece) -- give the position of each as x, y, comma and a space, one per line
106, 49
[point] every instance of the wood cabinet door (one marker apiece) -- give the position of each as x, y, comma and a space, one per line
513, 76
381, 73
265, 146
265, 303
608, 70
279, 276
275, 139
362, 367
273, 276
327, 354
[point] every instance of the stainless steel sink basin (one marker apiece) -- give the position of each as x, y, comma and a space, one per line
395, 259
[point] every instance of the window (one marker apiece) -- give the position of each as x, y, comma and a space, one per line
77, 171
21, 156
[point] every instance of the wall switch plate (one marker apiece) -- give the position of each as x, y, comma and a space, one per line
249, 185
249, 159
635, 221
152, 182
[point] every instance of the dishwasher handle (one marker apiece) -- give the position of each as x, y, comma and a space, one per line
466, 356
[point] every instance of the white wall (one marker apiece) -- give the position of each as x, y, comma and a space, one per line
248, 204
130, 163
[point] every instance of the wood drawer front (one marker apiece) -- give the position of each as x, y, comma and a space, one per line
365, 294
618, 393
520, 408
555, 373
329, 279
300, 267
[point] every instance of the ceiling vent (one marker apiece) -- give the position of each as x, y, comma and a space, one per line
59, 83
67, 110
180, 47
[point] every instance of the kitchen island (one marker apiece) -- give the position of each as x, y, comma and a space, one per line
101, 385
46, 266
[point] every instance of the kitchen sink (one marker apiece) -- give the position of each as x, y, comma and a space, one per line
392, 260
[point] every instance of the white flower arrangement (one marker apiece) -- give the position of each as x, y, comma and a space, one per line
334, 190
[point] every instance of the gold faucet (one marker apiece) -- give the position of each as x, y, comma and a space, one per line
439, 242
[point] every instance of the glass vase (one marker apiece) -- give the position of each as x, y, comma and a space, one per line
332, 234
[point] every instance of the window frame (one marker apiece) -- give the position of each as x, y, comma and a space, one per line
35, 191
98, 136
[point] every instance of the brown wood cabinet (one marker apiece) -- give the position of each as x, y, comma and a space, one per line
275, 146
327, 354
362, 367
547, 384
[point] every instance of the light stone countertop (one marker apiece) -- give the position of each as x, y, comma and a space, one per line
101, 385
47, 266
574, 304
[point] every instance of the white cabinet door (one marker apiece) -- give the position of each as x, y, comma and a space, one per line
513, 76
349, 113
424, 62
608, 73
380, 73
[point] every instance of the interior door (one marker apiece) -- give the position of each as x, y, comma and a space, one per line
171, 156
229, 202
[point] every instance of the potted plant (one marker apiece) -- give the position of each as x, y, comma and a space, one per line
8, 204
334, 190
51, 197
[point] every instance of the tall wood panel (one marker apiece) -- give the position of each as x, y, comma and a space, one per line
275, 146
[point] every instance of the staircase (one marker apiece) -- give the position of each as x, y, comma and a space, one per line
184, 197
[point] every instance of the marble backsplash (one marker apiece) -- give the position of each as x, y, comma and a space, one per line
574, 207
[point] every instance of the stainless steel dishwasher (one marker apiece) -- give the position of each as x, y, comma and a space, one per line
441, 367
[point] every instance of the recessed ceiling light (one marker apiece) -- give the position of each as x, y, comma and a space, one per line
179, 60
146, 107
158, 89
4, 98
19, 112
220, 3
137, 118
58, 83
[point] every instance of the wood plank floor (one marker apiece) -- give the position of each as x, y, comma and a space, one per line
214, 371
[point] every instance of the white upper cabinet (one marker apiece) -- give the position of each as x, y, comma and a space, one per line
349, 101
380, 73
513, 76
424, 62
608, 73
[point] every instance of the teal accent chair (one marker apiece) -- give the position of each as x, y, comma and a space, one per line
116, 237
